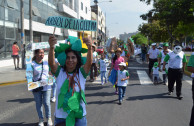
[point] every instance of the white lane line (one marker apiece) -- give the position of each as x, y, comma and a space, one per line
139, 61
187, 79
144, 78
143, 68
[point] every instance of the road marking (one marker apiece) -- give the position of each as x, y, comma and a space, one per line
144, 78
143, 68
139, 61
9, 113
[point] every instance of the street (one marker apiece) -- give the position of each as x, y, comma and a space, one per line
143, 105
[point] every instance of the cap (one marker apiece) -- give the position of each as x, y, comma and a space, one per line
122, 64
153, 44
165, 44
156, 64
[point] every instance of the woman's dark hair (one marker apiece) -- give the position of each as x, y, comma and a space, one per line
94, 48
35, 52
78, 56
15, 42
114, 58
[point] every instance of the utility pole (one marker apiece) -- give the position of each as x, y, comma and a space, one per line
30, 22
22, 33
96, 3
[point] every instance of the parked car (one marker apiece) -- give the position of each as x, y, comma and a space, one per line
100, 49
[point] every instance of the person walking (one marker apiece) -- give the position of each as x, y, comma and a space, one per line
176, 62
143, 52
161, 60
15, 55
122, 81
42, 94
70, 109
94, 70
117, 59
103, 68
155, 73
190, 67
152, 56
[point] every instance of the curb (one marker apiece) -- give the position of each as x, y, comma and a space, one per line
13, 82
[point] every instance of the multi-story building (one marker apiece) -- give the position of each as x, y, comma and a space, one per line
126, 35
101, 28
10, 21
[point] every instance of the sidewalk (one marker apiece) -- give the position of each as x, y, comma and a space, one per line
9, 75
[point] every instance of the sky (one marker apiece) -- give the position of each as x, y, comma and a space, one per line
123, 15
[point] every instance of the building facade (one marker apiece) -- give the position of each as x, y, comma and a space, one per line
10, 21
101, 28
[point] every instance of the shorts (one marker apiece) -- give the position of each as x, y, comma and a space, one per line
15, 56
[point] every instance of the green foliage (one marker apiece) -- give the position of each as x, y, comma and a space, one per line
174, 16
140, 39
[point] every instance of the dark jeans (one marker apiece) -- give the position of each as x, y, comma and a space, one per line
192, 112
175, 75
93, 68
143, 56
151, 64
121, 92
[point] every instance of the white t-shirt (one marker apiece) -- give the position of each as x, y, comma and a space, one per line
103, 65
153, 54
95, 54
37, 69
155, 70
59, 113
163, 55
121, 75
175, 60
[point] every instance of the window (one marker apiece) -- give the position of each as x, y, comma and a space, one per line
82, 6
86, 10
2, 12
2, 32
10, 32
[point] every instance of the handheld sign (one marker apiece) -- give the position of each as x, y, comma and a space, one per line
71, 23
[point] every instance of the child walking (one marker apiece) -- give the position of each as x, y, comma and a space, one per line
103, 68
155, 72
122, 81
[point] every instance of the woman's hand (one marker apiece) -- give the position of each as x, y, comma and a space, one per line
88, 42
52, 41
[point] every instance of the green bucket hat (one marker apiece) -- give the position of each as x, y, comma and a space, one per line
75, 44
165, 44
156, 64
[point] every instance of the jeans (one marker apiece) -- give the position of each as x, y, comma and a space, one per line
121, 92
43, 97
78, 122
155, 76
143, 56
54, 89
103, 74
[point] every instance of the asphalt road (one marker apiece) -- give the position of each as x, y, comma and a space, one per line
144, 105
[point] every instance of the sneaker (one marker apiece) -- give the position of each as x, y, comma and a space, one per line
102, 83
49, 122
180, 97
169, 93
53, 99
120, 102
41, 122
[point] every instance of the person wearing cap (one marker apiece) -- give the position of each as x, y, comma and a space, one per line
176, 63
117, 59
155, 73
161, 60
94, 64
190, 68
152, 56
122, 81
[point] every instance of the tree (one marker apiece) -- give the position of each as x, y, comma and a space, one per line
170, 13
139, 39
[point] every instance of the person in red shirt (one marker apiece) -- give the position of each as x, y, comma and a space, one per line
15, 55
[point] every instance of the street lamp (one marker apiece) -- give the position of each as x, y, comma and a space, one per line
96, 3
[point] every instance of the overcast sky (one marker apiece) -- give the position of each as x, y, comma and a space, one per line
123, 15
